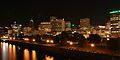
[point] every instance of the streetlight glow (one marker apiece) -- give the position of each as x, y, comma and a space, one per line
92, 45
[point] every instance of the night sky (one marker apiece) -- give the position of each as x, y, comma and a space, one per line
23, 11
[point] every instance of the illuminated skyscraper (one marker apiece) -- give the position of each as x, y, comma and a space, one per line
115, 23
85, 22
58, 25
45, 27
16, 29
67, 26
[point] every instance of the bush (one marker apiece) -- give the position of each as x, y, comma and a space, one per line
114, 43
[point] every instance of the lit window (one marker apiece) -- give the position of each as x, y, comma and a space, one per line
116, 18
117, 26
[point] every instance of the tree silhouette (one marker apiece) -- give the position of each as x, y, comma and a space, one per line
94, 38
114, 43
80, 38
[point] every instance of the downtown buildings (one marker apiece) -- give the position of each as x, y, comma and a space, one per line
55, 26
115, 23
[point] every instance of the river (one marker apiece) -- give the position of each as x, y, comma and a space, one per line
14, 52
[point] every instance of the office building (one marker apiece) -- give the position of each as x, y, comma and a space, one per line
58, 25
115, 23
45, 27
85, 22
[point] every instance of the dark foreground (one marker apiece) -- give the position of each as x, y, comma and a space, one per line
13, 50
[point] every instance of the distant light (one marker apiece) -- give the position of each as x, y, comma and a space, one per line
10, 38
33, 40
21, 32
73, 25
4, 40
18, 47
47, 41
108, 38
108, 35
49, 57
51, 41
14, 38
31, 21
20, 25
74, 32
7, 27
101, 26
26, 39
71, 43
92, 45
4, 37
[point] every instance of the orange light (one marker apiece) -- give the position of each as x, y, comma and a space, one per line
26, 39
33, 39
49, 57
5, 37
14, 38
34, 56
26, 54
108, 38
52, 41
92, 45
10, 38
47, 41
71, 43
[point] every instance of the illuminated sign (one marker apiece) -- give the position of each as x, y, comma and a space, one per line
117, 11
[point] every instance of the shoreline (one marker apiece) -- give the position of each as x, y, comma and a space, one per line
62, 51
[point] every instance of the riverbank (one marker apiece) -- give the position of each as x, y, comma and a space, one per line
63, 50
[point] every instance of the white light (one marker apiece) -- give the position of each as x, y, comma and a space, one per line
18, 47
92, 45
52, 41
21, 32
5, 36
33, 39
20, 25
10, 38
47, 41
108, 38
26, 39
14, 38
71, 43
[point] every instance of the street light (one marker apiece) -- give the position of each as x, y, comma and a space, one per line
92, 45
52, 41
71, 43
33, 40
108, 38
47, 41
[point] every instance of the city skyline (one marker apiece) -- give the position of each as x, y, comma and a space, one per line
23, 11
60, 30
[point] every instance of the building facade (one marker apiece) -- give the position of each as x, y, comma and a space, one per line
58, 25
45, 27
115, 23
85, 22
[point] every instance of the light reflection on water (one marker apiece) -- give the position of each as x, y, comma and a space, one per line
21, 52
26, 54
11, 52
4, 51
48, 57
34, 56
